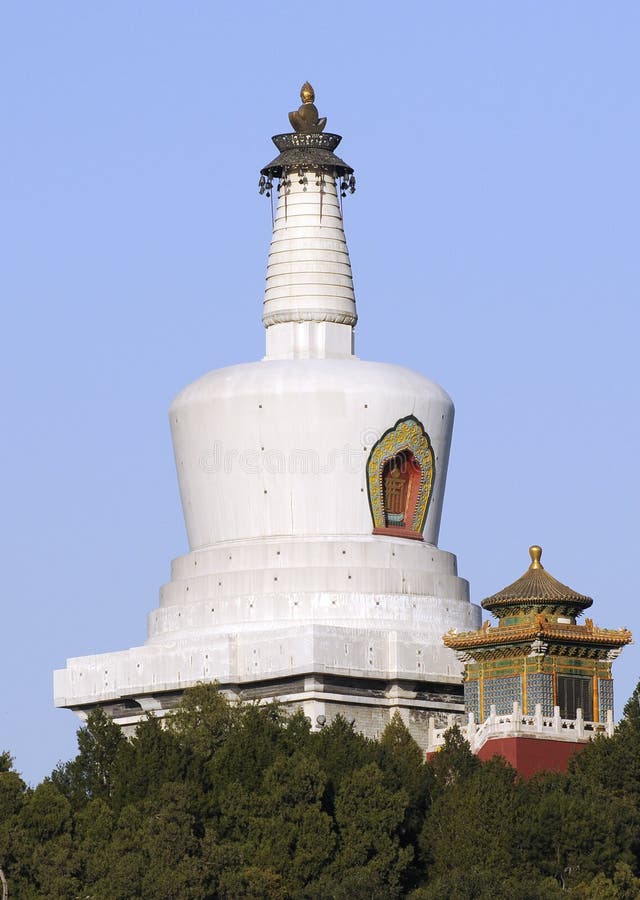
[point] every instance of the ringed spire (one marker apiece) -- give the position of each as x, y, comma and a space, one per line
309, 304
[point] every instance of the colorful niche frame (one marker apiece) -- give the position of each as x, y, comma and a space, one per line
408, 440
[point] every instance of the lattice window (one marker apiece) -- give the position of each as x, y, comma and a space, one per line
605, 696
400, 481
472, 698
540, 690
575, 692
502, 693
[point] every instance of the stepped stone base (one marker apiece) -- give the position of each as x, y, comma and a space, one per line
367, 703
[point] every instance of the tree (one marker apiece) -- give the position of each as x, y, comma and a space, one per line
576, 829
402, 761
614, 763
251, 746
90, 774
252, 883
45, 864
13, 794
622, 886
454, 762
289, 833
171, 848
93, 832
123, 864
631, 712
471, 833
340, 751
404, 768
153, 757
370, 862
244, 801
203, 720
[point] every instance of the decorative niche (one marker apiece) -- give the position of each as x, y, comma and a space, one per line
400, 475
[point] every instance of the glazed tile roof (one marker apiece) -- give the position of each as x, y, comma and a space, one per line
540, 629
536, 586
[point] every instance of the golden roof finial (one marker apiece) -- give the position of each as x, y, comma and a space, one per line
307, 94
305, 118
535, 553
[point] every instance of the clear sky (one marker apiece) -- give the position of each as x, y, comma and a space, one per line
494, 243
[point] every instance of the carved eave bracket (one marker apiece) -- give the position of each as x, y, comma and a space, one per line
538, 648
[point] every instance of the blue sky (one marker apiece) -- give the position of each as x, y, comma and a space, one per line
494, 242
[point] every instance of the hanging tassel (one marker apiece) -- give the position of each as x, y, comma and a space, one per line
321, 183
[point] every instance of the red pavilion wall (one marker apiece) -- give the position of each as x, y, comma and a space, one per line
530, 755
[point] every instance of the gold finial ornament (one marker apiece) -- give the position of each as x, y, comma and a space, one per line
307, 94
535, 553
305, 119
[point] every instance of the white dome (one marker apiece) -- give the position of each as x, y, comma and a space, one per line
279, 448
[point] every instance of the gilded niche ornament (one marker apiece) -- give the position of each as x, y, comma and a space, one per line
305, 118
400, 476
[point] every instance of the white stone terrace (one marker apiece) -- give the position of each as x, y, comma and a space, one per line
517, 724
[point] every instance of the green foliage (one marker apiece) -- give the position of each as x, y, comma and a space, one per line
403, 764
252, 883
485, 832
203, 720
41, 852
370, 861
12, 793
631, 710
251, 747
614, 763
288, 831
229, 801
153, 757
91, 773
341, 751
622, 886
579, 829
94, 827
453, 763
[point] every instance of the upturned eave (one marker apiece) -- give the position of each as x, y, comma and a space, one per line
521, 634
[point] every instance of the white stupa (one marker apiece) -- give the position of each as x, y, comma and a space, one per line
312, 485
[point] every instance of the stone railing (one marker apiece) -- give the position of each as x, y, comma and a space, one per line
517, 723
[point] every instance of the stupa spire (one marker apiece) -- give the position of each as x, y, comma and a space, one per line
309, 303
312, 485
